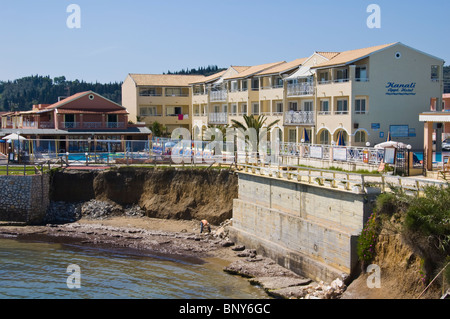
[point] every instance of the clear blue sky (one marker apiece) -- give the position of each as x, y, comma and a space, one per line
118, 37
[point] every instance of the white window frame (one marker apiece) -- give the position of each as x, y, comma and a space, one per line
341, 112
360, 111
359, 135
322, 111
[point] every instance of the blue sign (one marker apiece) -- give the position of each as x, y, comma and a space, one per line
394, 88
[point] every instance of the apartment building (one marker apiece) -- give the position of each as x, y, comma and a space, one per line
162, 98
351, 97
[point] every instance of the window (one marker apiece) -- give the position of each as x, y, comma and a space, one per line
148, 111
324, 107
233, 109
244, 85
150, 92
323, 77
173, 110
435, 73
278, 82
279, 107
324, 137
361, 73
255, 108
255, 84
308, 106
360, 106
342, 75
342, 107
292, 106
293, 136
176, 92
69, 118
360, 137
244, 108
234, 86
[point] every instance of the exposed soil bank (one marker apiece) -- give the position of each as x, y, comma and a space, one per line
162, 193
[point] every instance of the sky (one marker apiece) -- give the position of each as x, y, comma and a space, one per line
117, 37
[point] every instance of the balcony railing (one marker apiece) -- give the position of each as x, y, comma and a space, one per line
70, 124
92, 125
115, 125
298, 117
28, 124
46, 124
218, 118
218, 95
88, 125
298, 89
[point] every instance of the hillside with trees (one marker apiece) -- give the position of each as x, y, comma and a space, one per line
206, 71
21, 94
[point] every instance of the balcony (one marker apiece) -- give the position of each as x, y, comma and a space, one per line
218, 118
221, 95
46, 124
115, 125
299, 89
88, 125
299, 118
68, 125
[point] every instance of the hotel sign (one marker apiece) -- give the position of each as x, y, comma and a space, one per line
394, 88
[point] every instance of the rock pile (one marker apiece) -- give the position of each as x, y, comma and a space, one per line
64, 212
278, 281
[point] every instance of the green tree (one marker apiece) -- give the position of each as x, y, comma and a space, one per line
158, 129
258, 124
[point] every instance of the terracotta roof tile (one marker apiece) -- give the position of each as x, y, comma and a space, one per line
165, 79
350, 56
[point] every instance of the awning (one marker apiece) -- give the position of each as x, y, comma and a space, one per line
302, 72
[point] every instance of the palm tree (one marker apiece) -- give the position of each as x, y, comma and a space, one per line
256, 123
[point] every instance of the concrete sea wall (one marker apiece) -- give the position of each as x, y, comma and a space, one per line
309, 229
24, 198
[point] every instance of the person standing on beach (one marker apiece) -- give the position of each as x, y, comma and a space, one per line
204, 223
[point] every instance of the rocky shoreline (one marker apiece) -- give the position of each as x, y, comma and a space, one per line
184, 243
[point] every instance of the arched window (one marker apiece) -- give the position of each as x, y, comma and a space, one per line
324, 137
360, 137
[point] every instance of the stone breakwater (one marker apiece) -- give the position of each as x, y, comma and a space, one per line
24, 198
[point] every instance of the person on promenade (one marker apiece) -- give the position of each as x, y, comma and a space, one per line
204, 223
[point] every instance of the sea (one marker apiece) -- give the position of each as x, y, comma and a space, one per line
49, 270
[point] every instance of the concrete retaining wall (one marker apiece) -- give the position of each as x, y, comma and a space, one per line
24, 198
309, 229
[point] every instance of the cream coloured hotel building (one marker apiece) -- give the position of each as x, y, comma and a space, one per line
364, 94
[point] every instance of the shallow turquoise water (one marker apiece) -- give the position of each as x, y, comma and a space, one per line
39, 270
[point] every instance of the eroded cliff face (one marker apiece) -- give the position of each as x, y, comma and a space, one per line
163, 193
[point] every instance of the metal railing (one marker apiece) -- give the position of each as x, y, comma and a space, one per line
298, 117
218, 118
298, 89
221, 95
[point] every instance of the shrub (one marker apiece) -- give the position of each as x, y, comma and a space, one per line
429, 215
368, 239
